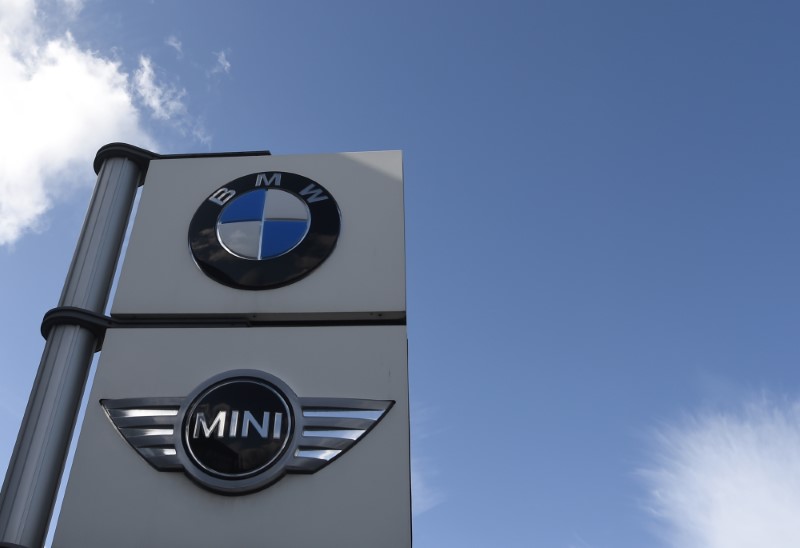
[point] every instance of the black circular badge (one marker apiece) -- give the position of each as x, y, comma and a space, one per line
264, 230
238, 428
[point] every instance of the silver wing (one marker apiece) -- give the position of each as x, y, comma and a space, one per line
327, 428
148, 424
331, 426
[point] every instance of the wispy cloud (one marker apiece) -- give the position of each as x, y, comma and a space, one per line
165, 101
72, 7
173, 42
58, 104
729, 480
424, 496
578, 542
222, 65
425, 493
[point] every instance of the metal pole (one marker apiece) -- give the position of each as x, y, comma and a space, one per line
34, 473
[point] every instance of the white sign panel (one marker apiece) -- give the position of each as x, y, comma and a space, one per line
248, 213
117, 496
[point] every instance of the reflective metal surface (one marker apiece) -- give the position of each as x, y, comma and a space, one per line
243, 430
148, 424
345, 434
321, 454
264, 230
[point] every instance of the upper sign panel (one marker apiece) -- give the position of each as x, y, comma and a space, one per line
272, 237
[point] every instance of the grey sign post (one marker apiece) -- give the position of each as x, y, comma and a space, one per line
37, 462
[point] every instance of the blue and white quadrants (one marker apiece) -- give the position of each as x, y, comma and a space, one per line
264, 230
263, 224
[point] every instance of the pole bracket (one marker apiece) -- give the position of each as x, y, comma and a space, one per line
71, 315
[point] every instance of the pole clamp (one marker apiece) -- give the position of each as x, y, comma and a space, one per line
71, 315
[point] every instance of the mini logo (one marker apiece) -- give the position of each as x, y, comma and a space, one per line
243, 430
238, 442
264, 230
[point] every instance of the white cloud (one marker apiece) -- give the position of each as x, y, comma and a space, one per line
223, 65
730, 480
425, 493
16, 23
424, 496
58, 104
164, 100
73, 7
173, 42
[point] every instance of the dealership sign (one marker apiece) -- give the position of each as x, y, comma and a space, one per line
254, 374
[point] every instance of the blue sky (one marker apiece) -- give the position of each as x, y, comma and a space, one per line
601, 224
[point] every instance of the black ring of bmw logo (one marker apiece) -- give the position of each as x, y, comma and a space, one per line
225, 267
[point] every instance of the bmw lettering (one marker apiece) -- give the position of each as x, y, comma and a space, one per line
264, 230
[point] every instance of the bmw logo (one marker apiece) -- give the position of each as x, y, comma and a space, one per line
264, 230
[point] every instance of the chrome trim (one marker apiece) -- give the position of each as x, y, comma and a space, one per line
132, 432
352, 414
148, 425
125, 413
158, 451
320, 454
332, 426
320, 431
344, 434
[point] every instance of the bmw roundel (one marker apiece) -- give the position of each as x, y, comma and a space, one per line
264, 230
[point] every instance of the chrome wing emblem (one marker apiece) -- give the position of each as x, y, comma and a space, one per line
331, 426
317, 432
148, 424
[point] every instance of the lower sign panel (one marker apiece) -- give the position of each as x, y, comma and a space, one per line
277, 436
